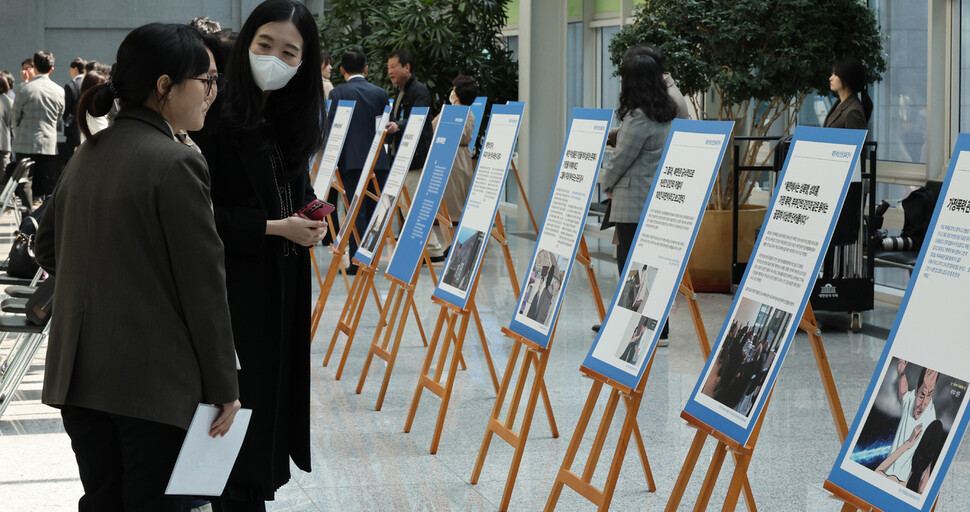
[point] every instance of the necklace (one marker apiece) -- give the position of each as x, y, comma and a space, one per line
284, 192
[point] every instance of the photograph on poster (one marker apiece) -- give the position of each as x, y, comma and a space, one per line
543, 288
381, 216
461, 261
636, 287
746, 355
907, 424
634, 338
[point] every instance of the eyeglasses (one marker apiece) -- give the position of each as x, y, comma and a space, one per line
218, 80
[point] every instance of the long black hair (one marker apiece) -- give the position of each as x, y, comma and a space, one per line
926, 453
853, 75
642, 86
146, 53
294, 114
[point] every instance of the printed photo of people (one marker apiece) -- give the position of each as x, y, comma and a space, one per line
462, 257
543, 287
746, 355
904, 431
636, 287
381, 216
634, 339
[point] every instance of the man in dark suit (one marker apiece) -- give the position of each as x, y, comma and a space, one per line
72, 93
370, 102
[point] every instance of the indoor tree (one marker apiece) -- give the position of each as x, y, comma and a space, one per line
758, 59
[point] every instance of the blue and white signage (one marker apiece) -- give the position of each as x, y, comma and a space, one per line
478, 110
427, 199
377, 226
913, 416
348, 221
541, 297
668, 226
468, 248
766, 311
335, 144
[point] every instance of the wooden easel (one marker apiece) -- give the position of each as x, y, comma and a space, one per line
536, 357
742, 454
364, 280
337, 251
338, 185
631, 399
381, 347
449, 317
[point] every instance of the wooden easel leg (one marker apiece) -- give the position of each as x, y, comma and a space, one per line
644, 463
810, 326
500, 235
553, 429
352, 328
600, 439
629, 425
530, 409
710, 479
524, 199
394, 304
488, 354
417, 319
567, 462
394, 349
738, 480
587, 262
677, 493
745, 485
316, 268
449, 385
324, 294
496, 411
443, 317
346, 313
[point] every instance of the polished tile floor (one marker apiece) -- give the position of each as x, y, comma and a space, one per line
363, 460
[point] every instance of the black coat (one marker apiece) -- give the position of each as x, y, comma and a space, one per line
416, 94
269, 299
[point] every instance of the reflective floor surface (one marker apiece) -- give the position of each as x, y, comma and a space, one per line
363, 460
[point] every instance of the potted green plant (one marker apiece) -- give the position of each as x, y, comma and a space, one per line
754, 62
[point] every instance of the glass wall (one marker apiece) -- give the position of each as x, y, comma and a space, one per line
609, 83
899, 118
574, 66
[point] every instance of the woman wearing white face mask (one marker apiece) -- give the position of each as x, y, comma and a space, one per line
257, 148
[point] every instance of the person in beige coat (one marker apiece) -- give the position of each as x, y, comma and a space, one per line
142, 333
464, 92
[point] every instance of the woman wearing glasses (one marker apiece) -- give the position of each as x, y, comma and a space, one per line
258, 147
142, 334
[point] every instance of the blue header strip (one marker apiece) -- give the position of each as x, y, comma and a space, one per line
478, 110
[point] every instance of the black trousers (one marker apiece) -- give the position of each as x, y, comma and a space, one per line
125, 463
44, 174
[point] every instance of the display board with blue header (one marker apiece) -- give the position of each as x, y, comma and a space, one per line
372, 153
391, 193
333, 148
668, 226
478, 110
767, 308
484, 194
427, 199
542, 292
913, 416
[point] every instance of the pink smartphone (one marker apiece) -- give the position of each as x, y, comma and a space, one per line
317, 210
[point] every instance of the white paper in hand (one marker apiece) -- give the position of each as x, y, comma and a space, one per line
204, 463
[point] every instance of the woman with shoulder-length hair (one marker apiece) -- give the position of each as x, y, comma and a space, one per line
258, 148
848, 80
142, 334
646, 112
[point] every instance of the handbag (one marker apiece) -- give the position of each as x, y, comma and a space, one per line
21, 262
